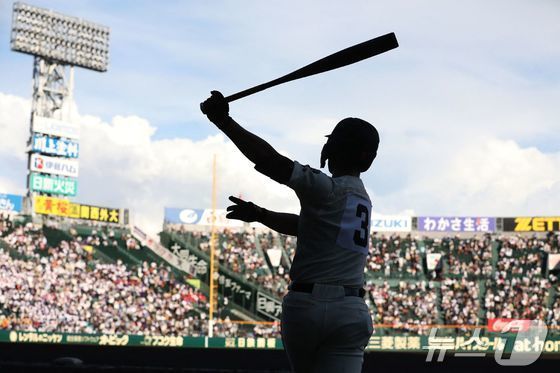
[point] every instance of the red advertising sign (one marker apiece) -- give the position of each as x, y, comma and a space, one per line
508, 325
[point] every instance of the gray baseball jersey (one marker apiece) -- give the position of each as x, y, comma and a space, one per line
333, 228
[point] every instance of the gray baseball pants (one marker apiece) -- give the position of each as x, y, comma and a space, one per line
325, 331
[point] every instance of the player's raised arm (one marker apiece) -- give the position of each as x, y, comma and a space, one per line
249, 212
266, 159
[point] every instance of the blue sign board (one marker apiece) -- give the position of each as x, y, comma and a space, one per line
10, 203
51, 146
182, 216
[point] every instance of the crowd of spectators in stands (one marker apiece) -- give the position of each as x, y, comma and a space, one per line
6, 224
460, 302
519, 256
237, 251
471, 257
394, 257
405, 307
63, 289
518, 298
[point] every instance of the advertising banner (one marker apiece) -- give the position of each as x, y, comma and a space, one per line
182, 216
432, 260
502, 325
52, 165
456, 224
10, 203
532, 224
55, 127
62, 207
201, 217
269, 306
391, 223
53, 185
52, 146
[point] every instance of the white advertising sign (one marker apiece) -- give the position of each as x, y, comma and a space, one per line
55, 166
432, 260
391, 223
55, 127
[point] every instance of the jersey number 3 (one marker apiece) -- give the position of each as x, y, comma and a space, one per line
354, 227
361, 235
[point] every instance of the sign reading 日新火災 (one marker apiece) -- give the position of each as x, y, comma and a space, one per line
53, 185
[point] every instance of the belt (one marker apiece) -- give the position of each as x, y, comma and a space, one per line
308, 288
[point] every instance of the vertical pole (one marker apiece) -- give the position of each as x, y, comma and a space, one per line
213, 286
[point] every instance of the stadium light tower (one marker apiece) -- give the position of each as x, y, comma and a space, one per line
58, 43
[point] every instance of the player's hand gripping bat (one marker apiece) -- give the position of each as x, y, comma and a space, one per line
342, 58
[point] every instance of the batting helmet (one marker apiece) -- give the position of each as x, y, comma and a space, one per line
354, 141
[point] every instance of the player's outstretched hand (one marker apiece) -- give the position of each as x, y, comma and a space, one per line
216, 108
243, 210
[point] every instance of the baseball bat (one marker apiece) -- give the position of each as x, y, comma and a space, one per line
341, 58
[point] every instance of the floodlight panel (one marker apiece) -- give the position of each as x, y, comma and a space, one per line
69, 40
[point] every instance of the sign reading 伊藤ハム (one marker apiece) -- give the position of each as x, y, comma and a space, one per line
456, 224
51, 146
53, 165
53, 185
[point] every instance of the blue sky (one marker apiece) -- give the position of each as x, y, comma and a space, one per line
465, 107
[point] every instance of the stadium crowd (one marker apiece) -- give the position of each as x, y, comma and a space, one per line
394, 257
405, 307
238, 252
64, 289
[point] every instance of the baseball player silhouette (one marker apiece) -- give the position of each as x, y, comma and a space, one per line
325, 322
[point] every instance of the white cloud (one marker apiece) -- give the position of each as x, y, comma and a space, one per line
487, 176
122, 165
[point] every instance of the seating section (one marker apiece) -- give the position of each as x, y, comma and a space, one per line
101, 279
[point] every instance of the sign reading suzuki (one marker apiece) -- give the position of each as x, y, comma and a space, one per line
55, 127
391, 223
52, 146
52, 165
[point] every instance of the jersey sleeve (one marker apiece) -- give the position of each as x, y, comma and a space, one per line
309, 183
277, 167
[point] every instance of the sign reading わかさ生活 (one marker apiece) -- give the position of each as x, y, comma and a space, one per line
456, 224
